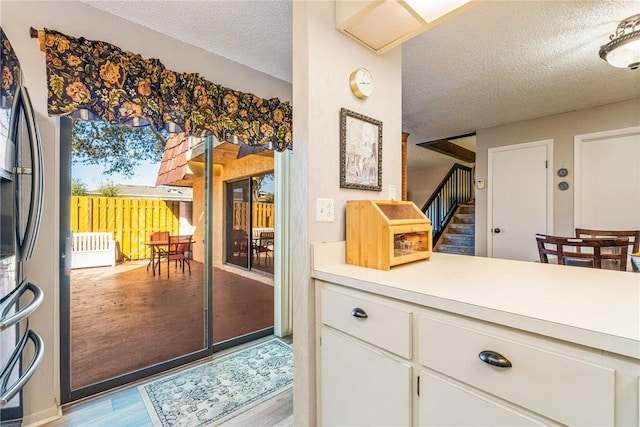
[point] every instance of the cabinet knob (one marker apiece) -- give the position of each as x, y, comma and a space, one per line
359, 313
497, 230
494, 359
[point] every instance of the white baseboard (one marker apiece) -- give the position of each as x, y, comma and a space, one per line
42, 417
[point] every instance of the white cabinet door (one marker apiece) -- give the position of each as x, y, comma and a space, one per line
360, 385
445, 403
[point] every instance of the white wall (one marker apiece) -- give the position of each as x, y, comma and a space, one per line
323, 58
561, 128
77, 19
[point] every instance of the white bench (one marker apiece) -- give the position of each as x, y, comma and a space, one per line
93, 250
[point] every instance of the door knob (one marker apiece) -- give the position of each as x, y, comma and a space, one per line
496, 230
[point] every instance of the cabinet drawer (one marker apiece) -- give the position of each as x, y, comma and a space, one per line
387, 325
565, 389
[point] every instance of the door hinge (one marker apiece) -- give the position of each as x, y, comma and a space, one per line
546, 164
418, 386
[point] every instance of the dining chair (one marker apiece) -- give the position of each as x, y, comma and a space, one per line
584, 252
264, 245
156, 236
239, 243
632, 235
179, 251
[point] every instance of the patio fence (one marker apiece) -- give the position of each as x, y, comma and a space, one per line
129, 220
262, 215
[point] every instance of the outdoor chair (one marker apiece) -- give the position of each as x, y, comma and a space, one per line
156, 236
239, 243
264, 245
179, 251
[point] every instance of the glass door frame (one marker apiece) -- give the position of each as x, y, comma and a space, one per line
229, 215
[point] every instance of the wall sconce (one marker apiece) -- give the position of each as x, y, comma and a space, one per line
381, 25
623, 51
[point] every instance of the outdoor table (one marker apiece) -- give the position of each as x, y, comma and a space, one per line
156, 249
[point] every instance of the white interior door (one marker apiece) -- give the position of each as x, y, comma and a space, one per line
518, 199
607, 180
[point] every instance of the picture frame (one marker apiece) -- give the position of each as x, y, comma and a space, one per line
360, 151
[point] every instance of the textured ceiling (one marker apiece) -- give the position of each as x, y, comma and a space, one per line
254, 33
504, 62
497, 63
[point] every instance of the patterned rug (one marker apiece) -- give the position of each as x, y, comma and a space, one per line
207, 394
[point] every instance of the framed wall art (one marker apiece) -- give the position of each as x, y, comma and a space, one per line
360, 151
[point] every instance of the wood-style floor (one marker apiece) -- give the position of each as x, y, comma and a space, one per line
124, 318
125, 407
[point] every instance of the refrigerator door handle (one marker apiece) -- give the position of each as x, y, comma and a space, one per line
8, 392
12, 299
37, 176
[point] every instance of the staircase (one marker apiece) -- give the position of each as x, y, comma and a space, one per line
451, 210
459, 235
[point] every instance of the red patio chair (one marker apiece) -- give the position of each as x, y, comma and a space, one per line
179, 252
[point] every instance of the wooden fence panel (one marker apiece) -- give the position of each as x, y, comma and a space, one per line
129, 220
263, 215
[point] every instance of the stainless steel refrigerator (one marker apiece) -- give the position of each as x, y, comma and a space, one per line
21, 191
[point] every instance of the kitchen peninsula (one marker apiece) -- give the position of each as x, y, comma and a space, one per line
471, 340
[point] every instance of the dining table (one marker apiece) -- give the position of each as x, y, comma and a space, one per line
156, 250
162, 246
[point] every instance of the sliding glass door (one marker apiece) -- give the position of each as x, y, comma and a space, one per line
243, 298
250, 223
130, 305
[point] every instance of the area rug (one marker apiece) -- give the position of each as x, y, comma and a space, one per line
208, 394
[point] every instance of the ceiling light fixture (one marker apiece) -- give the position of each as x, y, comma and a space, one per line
623, 51
381, 25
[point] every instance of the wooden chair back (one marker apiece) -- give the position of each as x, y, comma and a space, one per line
159, 236
180, 244
587, 252
632, 235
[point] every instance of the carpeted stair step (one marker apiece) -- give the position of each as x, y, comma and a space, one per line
464, 218
461, 228
458, 239
452, 249
467, 209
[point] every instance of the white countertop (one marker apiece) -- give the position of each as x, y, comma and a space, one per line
592, 307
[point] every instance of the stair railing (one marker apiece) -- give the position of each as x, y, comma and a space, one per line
455, 189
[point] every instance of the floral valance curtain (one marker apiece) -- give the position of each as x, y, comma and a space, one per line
10, 69
94, 80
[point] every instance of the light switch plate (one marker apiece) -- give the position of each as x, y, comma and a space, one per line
392, 192
325, 210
